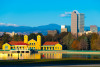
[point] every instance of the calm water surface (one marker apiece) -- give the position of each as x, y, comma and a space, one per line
45, 56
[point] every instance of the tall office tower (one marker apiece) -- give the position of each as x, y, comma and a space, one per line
93, 28
81, 23
74, 23
63, 28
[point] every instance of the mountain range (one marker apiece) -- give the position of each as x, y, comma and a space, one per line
41, 29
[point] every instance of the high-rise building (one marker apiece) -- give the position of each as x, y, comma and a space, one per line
81, 23
74, 23
93, 28
63, 28
77, 23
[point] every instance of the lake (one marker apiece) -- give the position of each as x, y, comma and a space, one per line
6, 56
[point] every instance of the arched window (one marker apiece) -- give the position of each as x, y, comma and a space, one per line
30, 43
34, 43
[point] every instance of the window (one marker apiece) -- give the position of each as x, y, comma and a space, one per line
8, 54
18, 51
22, 51
55, 47
11, 47
32, 47
27, 51
30, 43
6, 47
50, 48
23, 47
58, 47
34, 43
41, 48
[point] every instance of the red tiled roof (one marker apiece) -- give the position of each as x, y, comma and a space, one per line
17, 43
50, 43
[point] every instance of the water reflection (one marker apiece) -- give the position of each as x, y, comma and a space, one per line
5, 56
30, 56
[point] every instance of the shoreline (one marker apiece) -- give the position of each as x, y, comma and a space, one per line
72, 52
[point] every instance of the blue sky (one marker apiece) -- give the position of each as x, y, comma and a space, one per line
43, 12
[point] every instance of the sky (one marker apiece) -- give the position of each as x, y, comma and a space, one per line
43, 12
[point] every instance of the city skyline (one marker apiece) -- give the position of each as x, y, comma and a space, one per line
36, 13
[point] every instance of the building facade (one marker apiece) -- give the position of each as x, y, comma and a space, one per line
51, 46
52, 32
81, 23
74, 23
31, 44
11, 34
93, 29
77, 23
63, 28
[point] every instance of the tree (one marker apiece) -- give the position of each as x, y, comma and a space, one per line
83, 42
96, 44
6, 38
1, 43
61, 35
48, 38
75, 45
67, 41
94, 37
32, 36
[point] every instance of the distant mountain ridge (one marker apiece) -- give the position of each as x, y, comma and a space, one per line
41, 29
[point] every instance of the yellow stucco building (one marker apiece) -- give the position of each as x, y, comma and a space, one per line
51, 46
31, 44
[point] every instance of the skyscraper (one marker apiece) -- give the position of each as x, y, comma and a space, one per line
74, 23
77, 23
81, 23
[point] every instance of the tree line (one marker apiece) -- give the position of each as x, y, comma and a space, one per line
68, 41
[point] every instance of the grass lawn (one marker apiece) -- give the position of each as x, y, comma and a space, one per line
50, 61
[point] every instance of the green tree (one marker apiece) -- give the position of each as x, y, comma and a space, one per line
94, 37
67, 41
32, 36
97, 44
6, 38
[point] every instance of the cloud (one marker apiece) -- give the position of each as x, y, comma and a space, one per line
8, 24
68, 14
